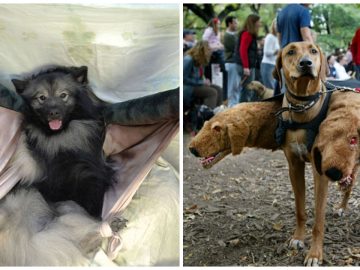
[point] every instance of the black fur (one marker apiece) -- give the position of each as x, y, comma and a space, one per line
80, 173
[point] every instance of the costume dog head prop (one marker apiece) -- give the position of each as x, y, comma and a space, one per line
336, 151
245, 125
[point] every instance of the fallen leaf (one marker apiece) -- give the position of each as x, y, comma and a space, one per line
278, 226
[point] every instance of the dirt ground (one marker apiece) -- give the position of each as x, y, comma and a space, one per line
241, 212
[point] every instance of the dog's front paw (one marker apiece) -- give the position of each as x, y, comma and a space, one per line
296, 244
314, 257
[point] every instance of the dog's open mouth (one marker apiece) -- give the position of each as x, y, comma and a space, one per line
208, 162
346, 182
55, 124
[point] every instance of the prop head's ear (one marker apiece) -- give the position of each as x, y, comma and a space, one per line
317, 160
277, 70
324, 67
238, 135
19, 85
80, 73
216, 126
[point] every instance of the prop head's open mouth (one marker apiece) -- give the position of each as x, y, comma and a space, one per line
208, 162
346, 182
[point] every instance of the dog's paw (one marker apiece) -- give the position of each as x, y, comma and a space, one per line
296, 244
340, 212
314, 257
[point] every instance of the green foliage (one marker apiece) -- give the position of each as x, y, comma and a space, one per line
334, 24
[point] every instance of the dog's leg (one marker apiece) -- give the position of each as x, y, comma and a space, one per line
297, 177
340, 210
315, 254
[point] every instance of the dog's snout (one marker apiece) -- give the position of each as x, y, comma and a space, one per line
194, 152
305, 62
334, 174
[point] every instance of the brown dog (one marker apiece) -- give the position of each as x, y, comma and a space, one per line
338, 159
260, 90
245, 125
304, 69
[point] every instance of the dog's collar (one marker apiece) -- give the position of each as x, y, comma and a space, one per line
300, 107
304, 98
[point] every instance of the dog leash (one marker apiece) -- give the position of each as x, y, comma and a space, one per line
299, 108
340, 88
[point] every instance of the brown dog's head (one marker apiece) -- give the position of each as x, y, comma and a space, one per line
218, 138
256, 86
336, 150
304, 66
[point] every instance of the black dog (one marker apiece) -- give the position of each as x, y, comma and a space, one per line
60, 151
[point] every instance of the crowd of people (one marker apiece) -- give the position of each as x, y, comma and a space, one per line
243, 56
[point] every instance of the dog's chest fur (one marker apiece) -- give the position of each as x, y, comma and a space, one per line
297, 141
36, 150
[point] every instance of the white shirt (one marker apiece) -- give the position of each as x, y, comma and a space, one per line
341, 72
271, 45
213, 39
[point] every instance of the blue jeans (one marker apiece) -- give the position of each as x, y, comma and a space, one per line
246, 95
266, 75
233, 84
357, 74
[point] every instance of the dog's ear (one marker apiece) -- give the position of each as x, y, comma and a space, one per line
238, 135
324, 67
317, 160
216, 126
19, 85
80, 73
277, 70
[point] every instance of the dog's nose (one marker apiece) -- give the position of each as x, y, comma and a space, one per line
305, 62
194, 152
334, 174
54, 113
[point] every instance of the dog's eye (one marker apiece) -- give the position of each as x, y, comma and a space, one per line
314, 51
42, 97
291, 52
63, 95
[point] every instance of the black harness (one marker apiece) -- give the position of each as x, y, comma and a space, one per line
312, 127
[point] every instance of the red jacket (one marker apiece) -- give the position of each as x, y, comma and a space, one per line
246, 39
355, 47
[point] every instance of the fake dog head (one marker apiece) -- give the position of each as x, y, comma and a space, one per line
336, 150
304, 67
249, 124
217, 139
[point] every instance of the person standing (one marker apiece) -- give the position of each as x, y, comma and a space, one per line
355, 50
233, 78
271, 49
293, 24
246, 51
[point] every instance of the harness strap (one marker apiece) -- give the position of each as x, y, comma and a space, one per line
312, 127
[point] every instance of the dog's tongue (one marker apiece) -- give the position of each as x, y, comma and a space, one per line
55, 124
